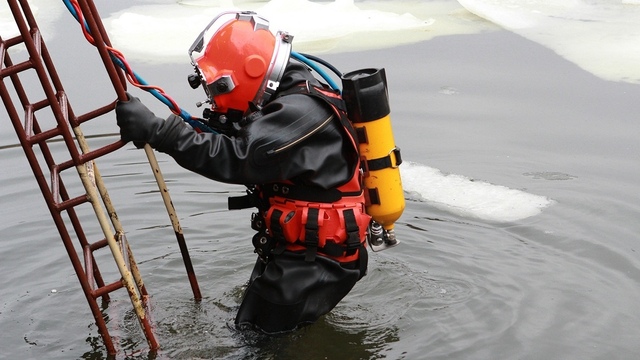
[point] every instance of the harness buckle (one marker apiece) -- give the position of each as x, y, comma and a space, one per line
311, 234
257, 222
262, 243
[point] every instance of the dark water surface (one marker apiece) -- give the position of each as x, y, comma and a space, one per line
493, 107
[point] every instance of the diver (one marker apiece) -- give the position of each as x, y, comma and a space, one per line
285, 135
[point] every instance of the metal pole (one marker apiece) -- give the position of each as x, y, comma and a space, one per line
101, 42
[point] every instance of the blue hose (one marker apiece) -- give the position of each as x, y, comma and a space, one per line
315, 67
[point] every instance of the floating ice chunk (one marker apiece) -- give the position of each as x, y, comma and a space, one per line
465, 197
602, 37
163, 33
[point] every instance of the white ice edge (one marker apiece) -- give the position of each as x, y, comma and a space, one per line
465, 197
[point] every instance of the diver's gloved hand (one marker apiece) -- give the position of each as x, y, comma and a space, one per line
137, 123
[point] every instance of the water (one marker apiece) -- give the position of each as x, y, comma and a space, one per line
519, 240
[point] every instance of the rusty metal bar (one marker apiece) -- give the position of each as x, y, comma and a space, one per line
117, 78
164, 191
101, 40
103, 290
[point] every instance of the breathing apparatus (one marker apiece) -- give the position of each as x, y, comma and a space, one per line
366, 96
242, 81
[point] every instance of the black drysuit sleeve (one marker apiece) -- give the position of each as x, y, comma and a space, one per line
295, 137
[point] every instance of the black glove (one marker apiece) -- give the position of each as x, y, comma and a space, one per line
137, 123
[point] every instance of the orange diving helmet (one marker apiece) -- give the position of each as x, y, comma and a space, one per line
239, 61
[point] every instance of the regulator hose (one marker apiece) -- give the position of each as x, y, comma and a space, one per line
307, 60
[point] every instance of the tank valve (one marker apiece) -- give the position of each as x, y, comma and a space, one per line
379, 238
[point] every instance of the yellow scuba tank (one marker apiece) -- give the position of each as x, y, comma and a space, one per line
366, 97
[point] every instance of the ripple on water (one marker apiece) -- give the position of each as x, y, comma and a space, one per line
390, 289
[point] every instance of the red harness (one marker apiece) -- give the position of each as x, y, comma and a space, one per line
331, 223
336, 229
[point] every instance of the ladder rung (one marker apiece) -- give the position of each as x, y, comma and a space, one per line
15, 68
55, 190
29, 113
42, 136
108, 288
89, 266
67, 204
13, 41
22, 66
98, 244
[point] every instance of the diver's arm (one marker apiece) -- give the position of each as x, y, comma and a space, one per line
294, 137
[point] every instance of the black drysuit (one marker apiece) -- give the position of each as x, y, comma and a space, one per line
295, 137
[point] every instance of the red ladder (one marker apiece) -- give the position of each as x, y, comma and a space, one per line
61, 205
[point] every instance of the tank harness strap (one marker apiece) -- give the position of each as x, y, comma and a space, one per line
311, 234
241, 202
333, 98
361, 134
358, 135
337, 103
363, 261
371, 195
383, 162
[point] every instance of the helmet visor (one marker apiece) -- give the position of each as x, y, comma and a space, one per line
196, 50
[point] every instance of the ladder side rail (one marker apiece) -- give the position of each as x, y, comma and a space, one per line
57, 217
33, 44
36, 48
33, 134
59, 107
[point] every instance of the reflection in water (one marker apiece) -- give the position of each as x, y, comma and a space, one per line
205, 330
322, 340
